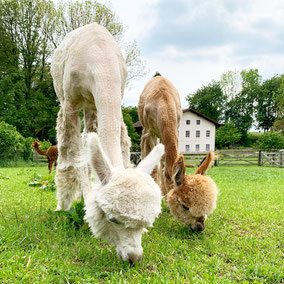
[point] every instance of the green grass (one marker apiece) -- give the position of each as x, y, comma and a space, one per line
243, 241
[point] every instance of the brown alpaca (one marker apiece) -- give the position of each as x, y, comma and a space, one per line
190, 198
51, 153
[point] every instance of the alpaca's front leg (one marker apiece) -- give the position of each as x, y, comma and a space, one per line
67, 176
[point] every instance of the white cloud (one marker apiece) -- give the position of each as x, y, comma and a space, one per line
193, 42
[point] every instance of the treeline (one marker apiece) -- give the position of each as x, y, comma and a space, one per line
241, 100
29, 33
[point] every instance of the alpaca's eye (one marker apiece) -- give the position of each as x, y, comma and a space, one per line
113, 220
185, 208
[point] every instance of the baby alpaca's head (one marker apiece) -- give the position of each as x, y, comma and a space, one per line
124, 202
193, 197
35, 144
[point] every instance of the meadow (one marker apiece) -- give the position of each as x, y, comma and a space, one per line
243, 240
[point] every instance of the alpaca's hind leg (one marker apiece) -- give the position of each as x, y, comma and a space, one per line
90, 125
125, 145
49, 166
67, 176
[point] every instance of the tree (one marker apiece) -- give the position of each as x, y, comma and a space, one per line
241, 107
29, 32
130, 115
74, 14
266, 108
209, 100
271, 140
227, 135
24, 26
278, 124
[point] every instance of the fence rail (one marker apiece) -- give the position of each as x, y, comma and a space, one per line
242, 157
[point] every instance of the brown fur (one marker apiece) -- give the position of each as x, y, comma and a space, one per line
51, 153
160, 112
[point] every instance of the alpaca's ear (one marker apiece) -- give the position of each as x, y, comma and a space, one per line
205, 164
148, 164
98, 159
178, 171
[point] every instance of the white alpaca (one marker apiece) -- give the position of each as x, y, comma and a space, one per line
89, 75
125, 201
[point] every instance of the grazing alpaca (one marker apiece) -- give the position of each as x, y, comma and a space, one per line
51, 153
125, 201
89, 75
190, 198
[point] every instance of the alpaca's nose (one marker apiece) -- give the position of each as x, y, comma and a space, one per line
134, 258
198, 227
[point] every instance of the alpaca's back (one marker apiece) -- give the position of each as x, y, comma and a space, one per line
89, 73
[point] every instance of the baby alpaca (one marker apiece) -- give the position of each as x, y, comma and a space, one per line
124, 202
190, 198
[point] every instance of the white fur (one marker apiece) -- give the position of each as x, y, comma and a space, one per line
130, 196
89, 74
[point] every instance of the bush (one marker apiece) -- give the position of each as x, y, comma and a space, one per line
28, 153
227, 135
11, 141
271, 140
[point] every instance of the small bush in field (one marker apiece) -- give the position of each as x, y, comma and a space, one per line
45, 183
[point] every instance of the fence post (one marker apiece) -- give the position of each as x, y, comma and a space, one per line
16, 157
35, 156
281, 159
259, 158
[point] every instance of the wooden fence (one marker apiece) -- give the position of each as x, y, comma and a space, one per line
238, 157
271, 158
38, 159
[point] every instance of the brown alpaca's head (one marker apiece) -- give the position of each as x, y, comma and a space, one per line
35, 144
193, 197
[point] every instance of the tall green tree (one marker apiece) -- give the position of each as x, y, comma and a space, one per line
209, 100
30, 30
267, 103
240, 108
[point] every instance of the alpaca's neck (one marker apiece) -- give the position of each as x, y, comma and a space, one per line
171, 149
40, 151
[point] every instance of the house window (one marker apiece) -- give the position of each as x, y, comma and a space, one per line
187, 121
186, 148
197, 133
198, 121
207, 133
187, 133
197, 147
207, 147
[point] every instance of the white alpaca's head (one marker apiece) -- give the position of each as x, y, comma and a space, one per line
124, 202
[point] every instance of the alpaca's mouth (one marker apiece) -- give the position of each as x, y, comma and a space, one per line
198, 227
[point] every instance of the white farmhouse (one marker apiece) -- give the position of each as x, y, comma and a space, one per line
196, 132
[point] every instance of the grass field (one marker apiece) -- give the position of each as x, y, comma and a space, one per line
243, 241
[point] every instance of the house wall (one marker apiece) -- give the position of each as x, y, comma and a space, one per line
192, 141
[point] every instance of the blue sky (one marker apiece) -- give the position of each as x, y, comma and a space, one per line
192, 42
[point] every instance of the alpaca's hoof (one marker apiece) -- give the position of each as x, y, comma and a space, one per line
145, 231
58, 208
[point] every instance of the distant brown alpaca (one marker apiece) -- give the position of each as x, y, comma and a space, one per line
190, 198
51, 153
